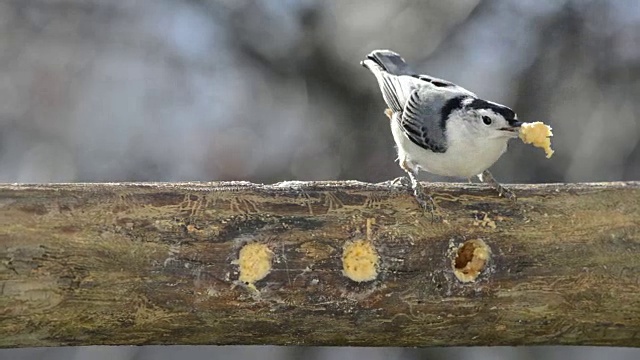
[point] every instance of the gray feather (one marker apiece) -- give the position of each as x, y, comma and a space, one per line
391, 62
421, 119
396, 89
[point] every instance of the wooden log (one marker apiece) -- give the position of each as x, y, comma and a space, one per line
90, 264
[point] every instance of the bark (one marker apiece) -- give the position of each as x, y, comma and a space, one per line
90, 264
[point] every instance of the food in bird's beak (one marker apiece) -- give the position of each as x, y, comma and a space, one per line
538, 134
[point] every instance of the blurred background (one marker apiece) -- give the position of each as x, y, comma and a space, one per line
272, 90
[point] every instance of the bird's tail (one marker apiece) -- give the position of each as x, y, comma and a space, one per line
388, 66
388, 61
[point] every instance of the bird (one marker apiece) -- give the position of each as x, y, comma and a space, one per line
440, 127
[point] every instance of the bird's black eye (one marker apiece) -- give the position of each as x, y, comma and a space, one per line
486, 120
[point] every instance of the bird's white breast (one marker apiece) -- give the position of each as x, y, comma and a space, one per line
466, 155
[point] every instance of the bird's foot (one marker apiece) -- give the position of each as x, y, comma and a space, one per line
427, 204
425, 201
487, 178
506, 193
402, 181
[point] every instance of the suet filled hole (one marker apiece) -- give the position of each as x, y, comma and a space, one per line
360, 261
254, 263
471, 258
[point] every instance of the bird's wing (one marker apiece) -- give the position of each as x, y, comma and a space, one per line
397, 89
441, 83
397, 81
422, 119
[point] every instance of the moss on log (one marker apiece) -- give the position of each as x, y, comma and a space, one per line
89, 264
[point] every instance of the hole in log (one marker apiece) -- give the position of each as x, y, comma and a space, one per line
254, 263
360, 261
471, 258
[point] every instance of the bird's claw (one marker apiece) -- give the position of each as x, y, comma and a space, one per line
402, 181
426, 202
506, 193
399, 184
487, 178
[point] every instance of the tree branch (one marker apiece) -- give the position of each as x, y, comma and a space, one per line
89, 264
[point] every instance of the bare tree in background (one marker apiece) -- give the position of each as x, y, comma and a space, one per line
265, 91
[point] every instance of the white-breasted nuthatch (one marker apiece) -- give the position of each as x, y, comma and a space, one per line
441, 127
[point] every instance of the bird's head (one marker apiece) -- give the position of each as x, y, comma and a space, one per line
487, 119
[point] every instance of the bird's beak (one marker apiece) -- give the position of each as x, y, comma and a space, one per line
513, 128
